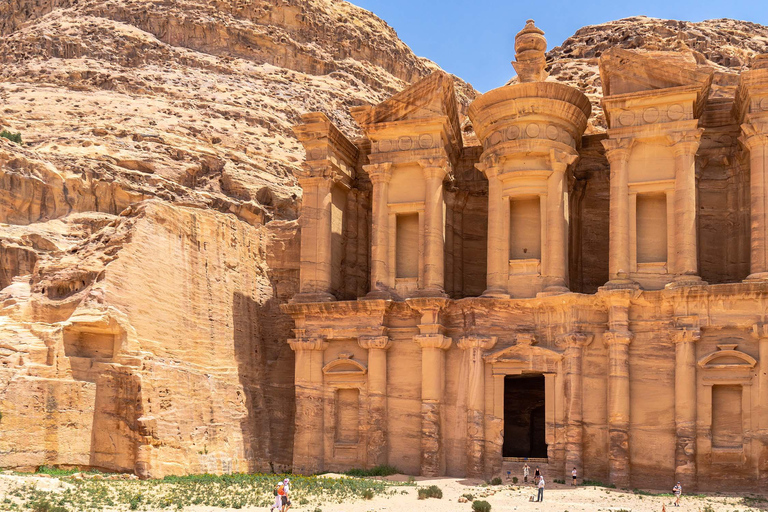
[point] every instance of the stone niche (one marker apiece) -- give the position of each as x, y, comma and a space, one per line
654, 136
89, 341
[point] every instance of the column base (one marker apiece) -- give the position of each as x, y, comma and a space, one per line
429, 292
685, 280
621, 284
495, 293
553, 290
313, 297
378, 295
756, 277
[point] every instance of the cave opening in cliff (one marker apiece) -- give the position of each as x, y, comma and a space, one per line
524, 417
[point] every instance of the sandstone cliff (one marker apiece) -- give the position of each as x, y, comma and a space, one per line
149, 220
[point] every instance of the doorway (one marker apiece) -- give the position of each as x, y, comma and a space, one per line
524, 417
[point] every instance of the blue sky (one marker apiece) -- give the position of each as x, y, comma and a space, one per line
475, 40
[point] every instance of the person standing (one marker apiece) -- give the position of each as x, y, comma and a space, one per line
278, 504
541, 489
573, 477
286, 496
677, 491
536, 476
526, 472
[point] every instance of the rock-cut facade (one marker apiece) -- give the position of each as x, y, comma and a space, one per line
505, 290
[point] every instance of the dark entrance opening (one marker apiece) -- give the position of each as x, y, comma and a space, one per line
524, 424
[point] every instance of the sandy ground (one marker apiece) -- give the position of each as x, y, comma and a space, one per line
557, 497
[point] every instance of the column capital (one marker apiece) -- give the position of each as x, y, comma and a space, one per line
374, 342
436, 167
617, 149
617, 338
754, 135
760, 330
379, 173
489, 165
560, 160
298, 344
685, 335
685, 142
574, 340
474, 341
433, 341
314, 180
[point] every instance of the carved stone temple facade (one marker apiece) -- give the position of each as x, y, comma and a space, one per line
479, 293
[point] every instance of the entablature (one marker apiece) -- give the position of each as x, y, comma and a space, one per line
329, 153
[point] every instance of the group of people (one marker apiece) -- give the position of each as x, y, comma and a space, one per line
538, 481
282, 499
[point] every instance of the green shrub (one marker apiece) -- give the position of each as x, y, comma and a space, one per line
44, 506
13, 137
470, 497
496, 481
134, 502
558, 481
597, 483
432, 491
481, 506
368, 494
377, 471
514, 480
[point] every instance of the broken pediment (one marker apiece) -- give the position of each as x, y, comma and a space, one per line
524, 355
345, 365
625, 72
430, 99
726, 357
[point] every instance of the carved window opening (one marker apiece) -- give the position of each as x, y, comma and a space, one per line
651, 228
347, 416
727, 431
524, 416
525, 228
407, 246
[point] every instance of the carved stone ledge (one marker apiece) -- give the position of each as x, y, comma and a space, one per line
617, 338
687, 335
374, 342
574, 340
481, 342
298, 344
433, 341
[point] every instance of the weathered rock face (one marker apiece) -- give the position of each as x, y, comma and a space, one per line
149, 228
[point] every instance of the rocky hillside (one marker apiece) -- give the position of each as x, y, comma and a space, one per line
725, 45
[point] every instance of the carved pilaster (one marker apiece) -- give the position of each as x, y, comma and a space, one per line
617, 152
380, 175
618, 406
433, 347
755, 139
685, 144
435, 170
760, 332
377, 398
308, 453
498, 221
685, 404
475, 347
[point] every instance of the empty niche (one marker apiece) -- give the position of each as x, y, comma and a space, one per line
726, 416
88, 343
347, 416
524, 228
407, 246
651, 228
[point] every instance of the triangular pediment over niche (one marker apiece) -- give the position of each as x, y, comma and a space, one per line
430, 98
626, 71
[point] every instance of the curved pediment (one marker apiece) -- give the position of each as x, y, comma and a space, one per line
727, 357
345, 366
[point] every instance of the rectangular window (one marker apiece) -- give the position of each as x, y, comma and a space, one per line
407, 245
726, 416
347, 415
651, 229
525, 228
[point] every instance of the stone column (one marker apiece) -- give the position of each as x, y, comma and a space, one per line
435, 170
308, 456
557, 221
760, 331
380, 175
574, 414
315, 265
498, 246
757, 143
685, 405
433, 347
617, 153
377, 396
618, 407
685, 145
475, 346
